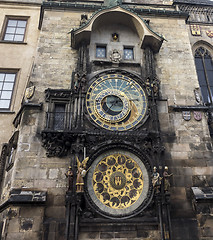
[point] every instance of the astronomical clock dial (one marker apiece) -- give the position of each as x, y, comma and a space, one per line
118, 183
116, 102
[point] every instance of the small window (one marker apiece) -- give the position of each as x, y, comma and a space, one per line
101, 51
15, 30
11, 150
128, 53
59, 116
7, 82
10, 158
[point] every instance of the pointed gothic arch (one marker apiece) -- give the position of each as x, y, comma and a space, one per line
204, 66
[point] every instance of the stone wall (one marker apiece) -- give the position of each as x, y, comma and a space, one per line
22, 223
55, 59
120, 232
202, 169
54, 52
16, 56
188, 143
53, 68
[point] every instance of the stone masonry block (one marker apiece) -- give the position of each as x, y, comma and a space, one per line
179, 155
31, 173
202, 170
31, 211
89, 235
59, 200
53, 173
207, 232
32, 235
15, 235
129, 234
108, 235
26, 224
37, 224
55, 212
13, 225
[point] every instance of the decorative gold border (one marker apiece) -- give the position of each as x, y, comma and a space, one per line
111, 211
90, 105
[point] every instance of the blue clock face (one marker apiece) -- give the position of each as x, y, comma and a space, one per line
116, 102
112, 104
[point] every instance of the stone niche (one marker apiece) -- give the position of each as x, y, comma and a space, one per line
127, 37
105, 21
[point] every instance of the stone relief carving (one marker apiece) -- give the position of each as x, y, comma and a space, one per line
198, 97
115, 56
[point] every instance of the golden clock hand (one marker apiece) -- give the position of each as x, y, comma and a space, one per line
109, 108
134, 99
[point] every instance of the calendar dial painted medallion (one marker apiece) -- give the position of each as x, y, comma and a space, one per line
118, 183
116, 102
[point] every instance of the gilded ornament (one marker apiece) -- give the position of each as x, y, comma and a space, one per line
29, 92
118, 181
81, 173
195, 30
166, 177
115, 37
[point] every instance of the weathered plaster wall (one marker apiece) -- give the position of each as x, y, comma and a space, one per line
17, 56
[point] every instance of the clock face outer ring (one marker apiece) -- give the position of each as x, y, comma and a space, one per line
112, 211
132, 94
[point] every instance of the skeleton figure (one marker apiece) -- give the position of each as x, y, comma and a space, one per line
156, 179
81, 173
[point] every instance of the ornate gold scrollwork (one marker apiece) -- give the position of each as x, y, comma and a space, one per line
118, 181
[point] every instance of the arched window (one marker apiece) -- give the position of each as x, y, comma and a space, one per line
204, 66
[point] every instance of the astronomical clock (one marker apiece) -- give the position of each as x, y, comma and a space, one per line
109, 121
118, 181
116, 102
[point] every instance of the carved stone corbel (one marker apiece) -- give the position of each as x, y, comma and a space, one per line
56, 144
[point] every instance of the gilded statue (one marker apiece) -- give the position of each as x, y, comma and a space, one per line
81, 173
166, 177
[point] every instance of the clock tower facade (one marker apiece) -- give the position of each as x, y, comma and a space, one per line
113, 139
115, 131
